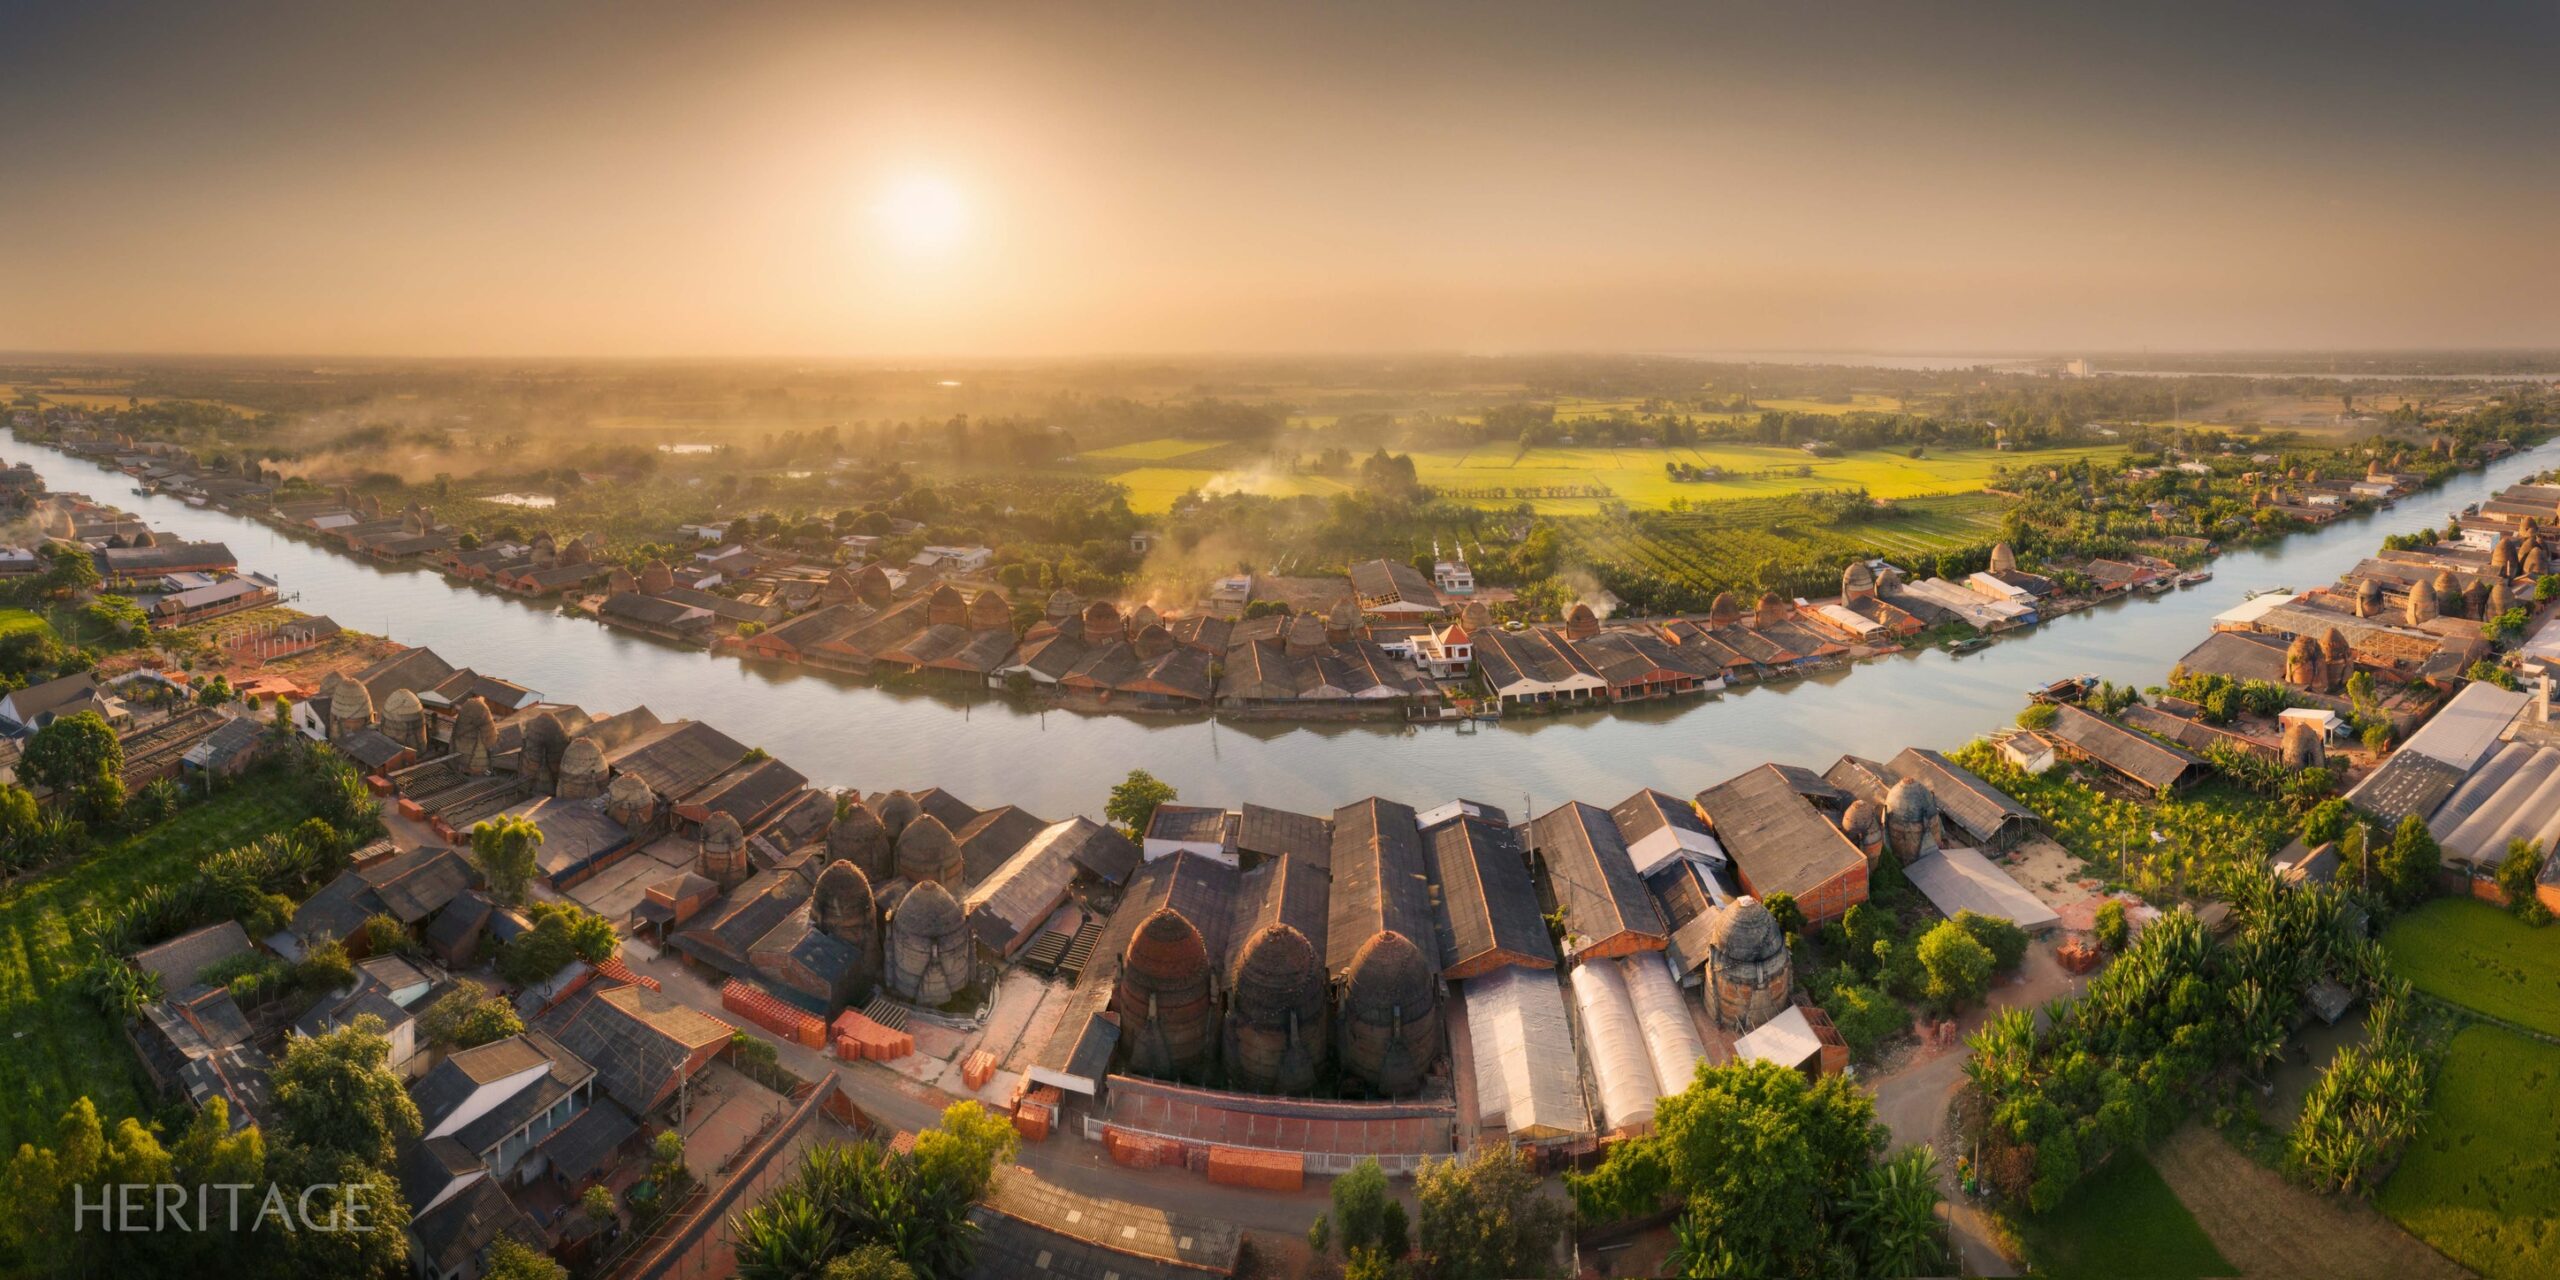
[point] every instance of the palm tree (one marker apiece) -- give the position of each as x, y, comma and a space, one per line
1893, 1216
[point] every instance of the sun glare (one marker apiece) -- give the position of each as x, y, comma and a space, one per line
921, 213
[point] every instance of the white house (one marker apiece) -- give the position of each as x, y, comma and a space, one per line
1454, 577
2028, 752
26, 710
500, 1099
2329, 723
954, 559
1446, 652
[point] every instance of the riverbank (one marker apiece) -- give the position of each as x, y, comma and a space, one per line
1054, 761
1370, 669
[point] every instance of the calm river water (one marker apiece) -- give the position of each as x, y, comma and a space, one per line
1056, 763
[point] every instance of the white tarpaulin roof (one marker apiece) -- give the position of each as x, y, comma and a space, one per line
1670, 1034
1525, 1078
1787, 1040
2515, 796
2246, 614
1614, 1041
2467, 729
1958, 879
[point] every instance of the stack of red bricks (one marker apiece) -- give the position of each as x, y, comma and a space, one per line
858, 1038
1032, 1121
977, 1069
771, 1014
1034, 1110
1141, 1150
1264, 1170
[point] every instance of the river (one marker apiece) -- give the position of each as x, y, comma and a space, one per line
1059, 762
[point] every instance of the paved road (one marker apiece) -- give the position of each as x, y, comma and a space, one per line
1913, 1098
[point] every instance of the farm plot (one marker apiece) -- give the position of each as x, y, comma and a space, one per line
1730, 545
2481, 1181
1862, 402
2469, 953
1578, 481
55, 1045
1153, 490
2122, 1221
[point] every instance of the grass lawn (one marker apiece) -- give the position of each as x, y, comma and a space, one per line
2481, 1182
2122, 1221
2475, 955
54, 1044
14, 621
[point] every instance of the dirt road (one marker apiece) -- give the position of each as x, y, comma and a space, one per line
1912, 1100
2267, 1226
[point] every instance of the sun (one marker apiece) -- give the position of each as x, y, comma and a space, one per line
921, 214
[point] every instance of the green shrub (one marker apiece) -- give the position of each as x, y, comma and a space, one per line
1865, 1016
2006, 942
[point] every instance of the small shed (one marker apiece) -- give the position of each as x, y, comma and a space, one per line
1788, 1040
1958, 879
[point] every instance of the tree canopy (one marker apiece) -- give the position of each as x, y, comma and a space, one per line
1133, 803
507, 848
336, 1093
1769, 1170
78, 757
1484, 1217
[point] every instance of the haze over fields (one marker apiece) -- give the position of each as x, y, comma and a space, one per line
973, 181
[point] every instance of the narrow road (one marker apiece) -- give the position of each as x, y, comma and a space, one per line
1912, 1101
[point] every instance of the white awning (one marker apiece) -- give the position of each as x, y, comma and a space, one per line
1787, 1040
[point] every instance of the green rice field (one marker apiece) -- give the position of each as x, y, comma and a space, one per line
1572, 481
2469, 953
2123, 1221
1726, 542
55, 1045
2481, 1181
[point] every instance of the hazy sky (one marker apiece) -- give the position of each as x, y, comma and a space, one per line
960, 179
